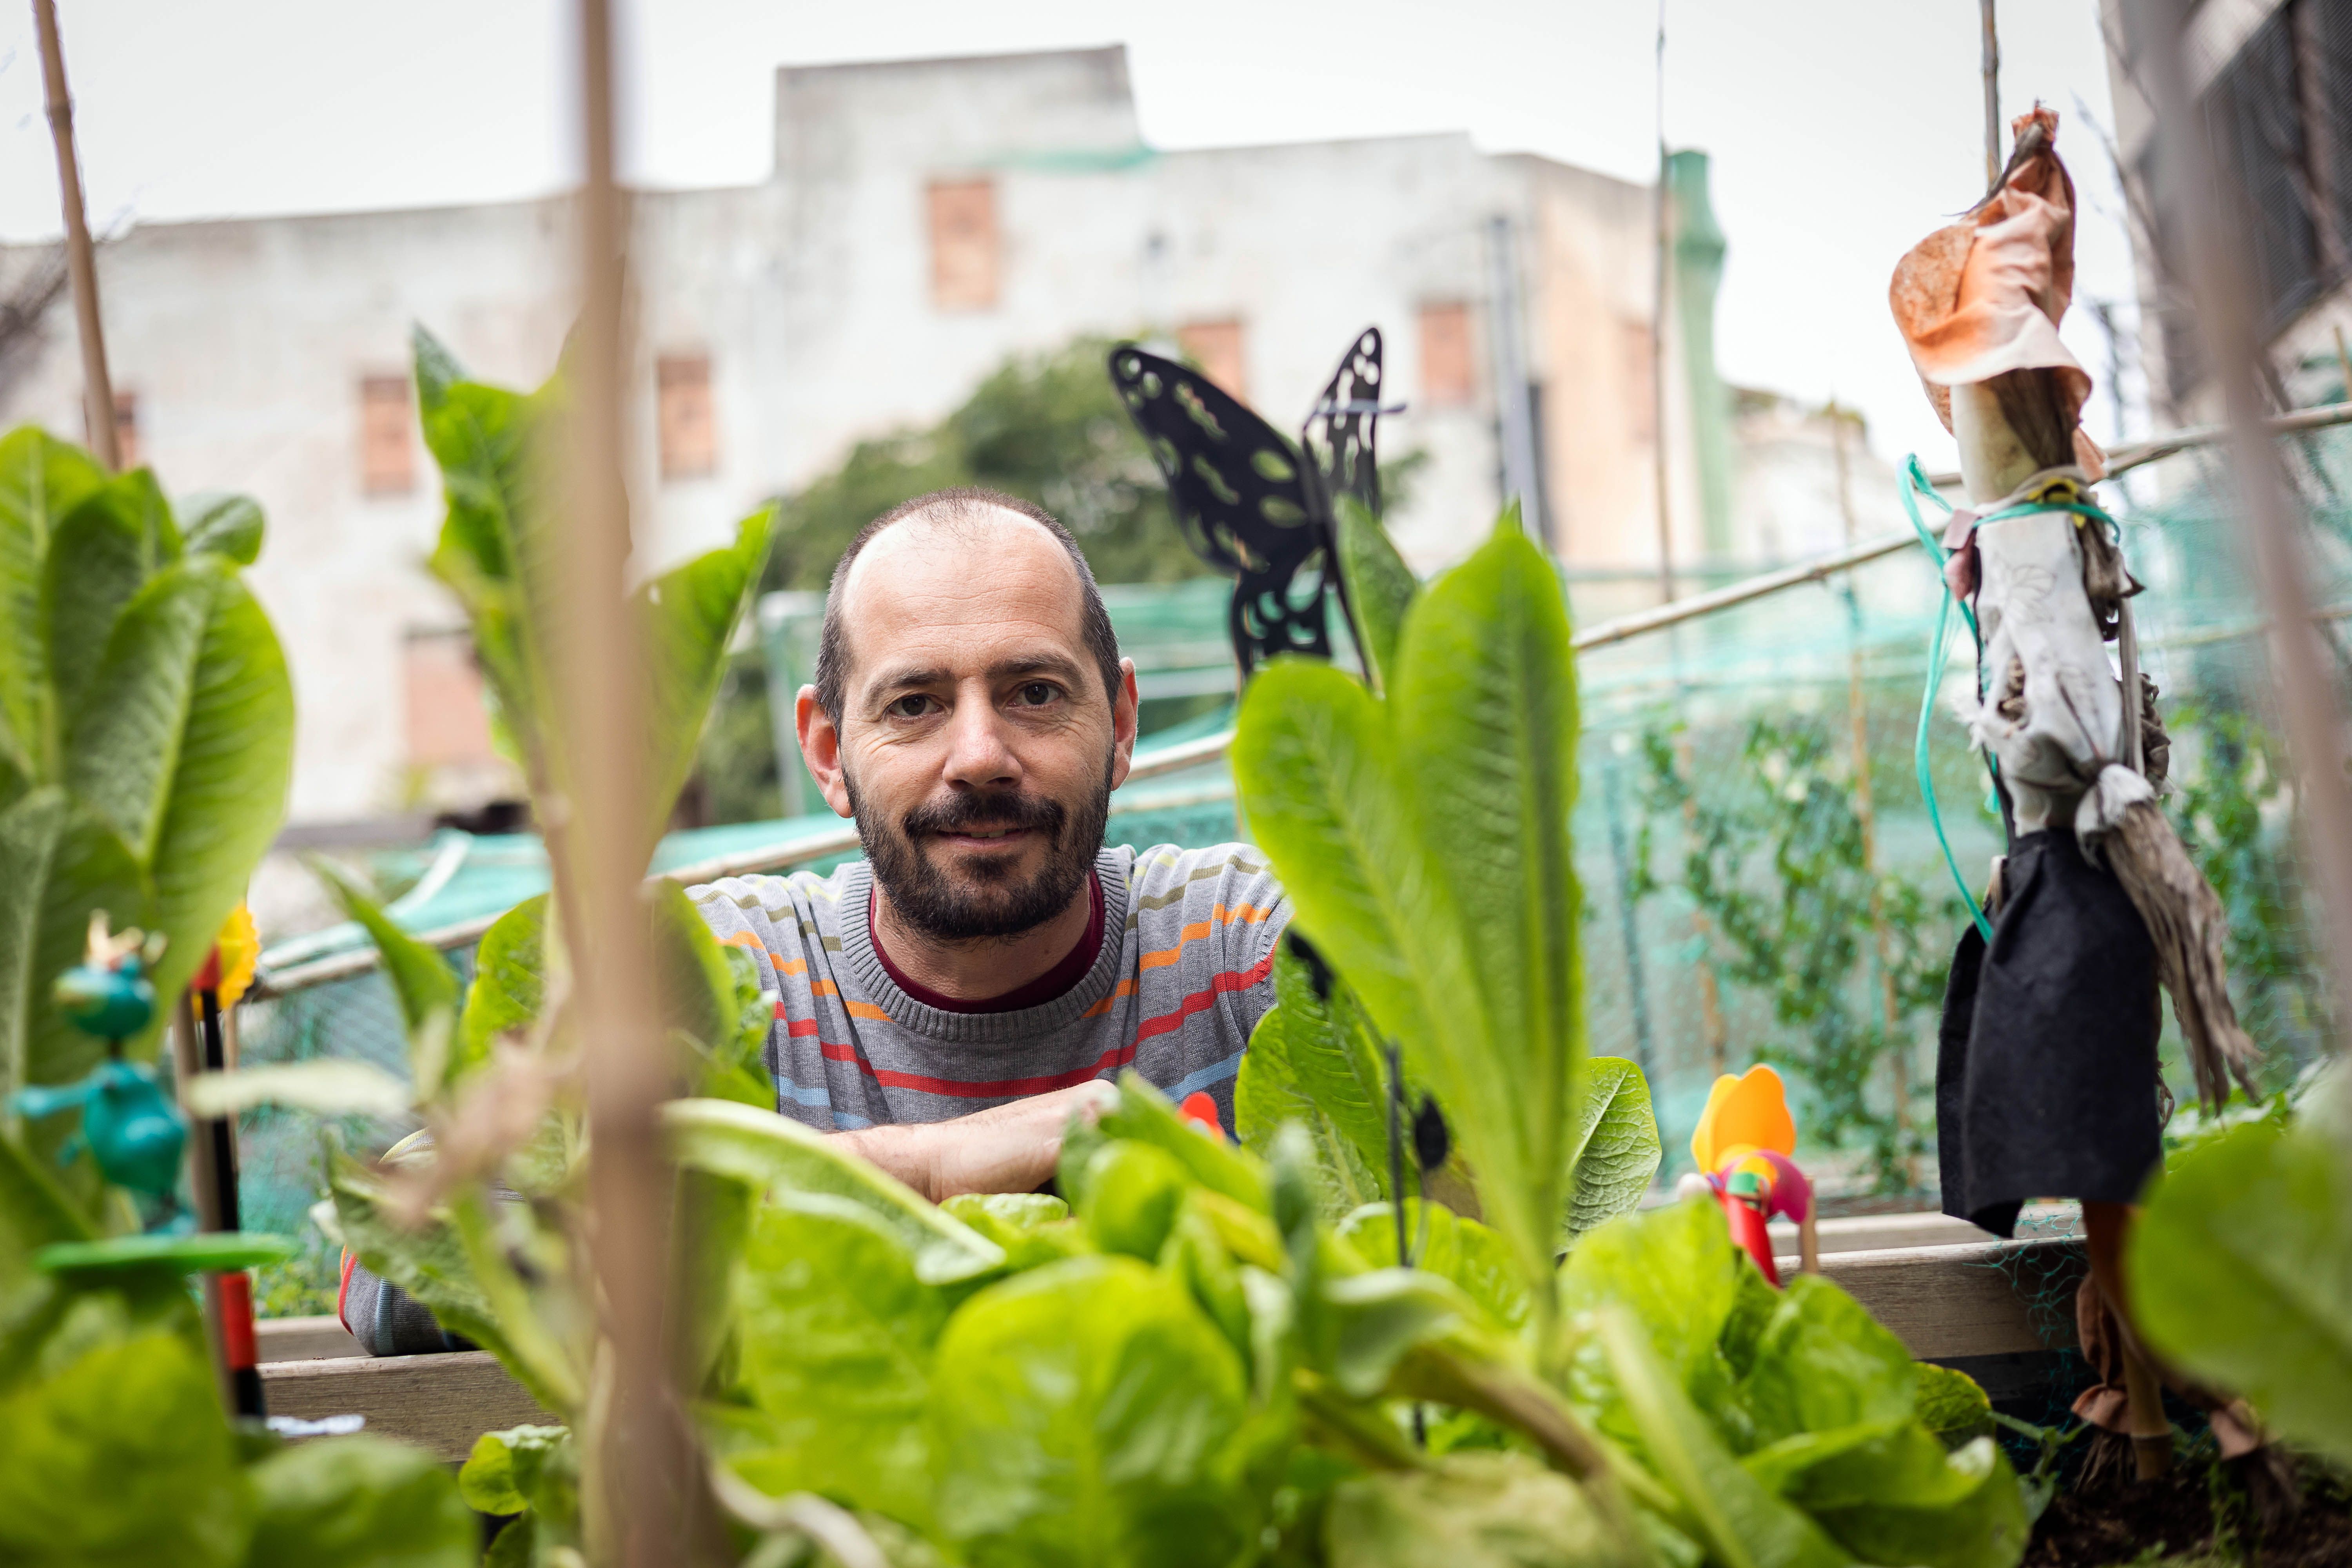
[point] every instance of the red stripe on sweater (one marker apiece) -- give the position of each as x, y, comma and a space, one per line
999, 1088
1200, 1001
1003, 1088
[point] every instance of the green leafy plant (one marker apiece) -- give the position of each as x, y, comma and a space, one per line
146, 739
2241, 1267
146, 729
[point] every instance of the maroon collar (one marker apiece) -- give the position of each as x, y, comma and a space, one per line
1074, 967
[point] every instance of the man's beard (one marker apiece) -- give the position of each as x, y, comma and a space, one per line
924, 896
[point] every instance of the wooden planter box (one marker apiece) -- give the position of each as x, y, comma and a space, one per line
1949, 1293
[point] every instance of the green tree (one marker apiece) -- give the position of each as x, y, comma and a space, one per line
1046, 428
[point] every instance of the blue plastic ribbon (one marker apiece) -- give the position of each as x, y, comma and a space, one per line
1914, 488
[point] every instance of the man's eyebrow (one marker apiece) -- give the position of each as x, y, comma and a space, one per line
1035, 664
889, 676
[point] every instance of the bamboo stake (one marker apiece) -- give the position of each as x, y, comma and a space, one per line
1658, 337
1865, 811
81, 263
1991, 95
2274, 525
639, 1465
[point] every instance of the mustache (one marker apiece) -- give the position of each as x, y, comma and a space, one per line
960, 812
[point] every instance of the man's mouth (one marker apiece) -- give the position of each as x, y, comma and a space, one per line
983, 835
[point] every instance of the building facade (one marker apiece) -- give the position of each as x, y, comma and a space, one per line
923, 221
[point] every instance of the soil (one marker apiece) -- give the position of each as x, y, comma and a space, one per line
2119, 1520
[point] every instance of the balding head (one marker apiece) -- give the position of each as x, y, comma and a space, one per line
968, 515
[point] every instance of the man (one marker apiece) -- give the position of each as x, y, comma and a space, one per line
948, 1004
946, 1007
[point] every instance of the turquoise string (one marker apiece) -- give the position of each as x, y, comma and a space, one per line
1915, 485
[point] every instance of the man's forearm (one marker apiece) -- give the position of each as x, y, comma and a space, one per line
1008, 1148
907, 1152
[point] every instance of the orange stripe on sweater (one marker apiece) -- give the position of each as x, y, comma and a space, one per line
1240, 914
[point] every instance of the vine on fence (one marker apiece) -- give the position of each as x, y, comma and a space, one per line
1773, 857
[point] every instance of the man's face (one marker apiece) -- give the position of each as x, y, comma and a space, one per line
977, 748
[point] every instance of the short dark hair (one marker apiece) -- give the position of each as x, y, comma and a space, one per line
964, 505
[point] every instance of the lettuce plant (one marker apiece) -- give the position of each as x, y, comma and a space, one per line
146, 733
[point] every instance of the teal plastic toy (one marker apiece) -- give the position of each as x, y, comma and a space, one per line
129, 1124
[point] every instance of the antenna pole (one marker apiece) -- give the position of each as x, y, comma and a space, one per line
1991, 95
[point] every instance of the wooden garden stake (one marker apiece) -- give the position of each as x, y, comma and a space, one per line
640, 1468
1865, 812
2271, 526
81, 263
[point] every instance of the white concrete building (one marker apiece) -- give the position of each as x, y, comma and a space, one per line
923, 220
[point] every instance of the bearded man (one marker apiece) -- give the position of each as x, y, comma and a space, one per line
946, 1005
949, 1003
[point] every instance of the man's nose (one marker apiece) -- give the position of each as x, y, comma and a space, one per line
977, 754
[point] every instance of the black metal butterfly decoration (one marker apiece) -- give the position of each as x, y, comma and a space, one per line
1251, 503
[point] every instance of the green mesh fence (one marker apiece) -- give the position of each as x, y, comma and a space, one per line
1741, 903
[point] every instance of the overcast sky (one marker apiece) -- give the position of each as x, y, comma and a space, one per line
1842, 131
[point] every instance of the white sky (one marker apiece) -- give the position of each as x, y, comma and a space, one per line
1842, 131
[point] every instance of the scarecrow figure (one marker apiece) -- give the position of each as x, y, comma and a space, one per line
2047, 1083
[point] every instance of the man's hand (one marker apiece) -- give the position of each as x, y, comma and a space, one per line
1009, 1148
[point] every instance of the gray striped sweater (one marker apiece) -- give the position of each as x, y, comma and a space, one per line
1182, 975
1183, 972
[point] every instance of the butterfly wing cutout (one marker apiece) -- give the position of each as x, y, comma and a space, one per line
1243, 499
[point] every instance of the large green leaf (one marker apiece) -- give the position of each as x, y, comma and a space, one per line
1444, 1243
358, 1502
1613, 1146
1677, 1272
1741, 1523
1313, 1061
1823, 1363
121, 1460
429, 1262
1898, 1496
1472, 1511
769, 1152
423, 982
1144, 1114
689, 615
102, 553
225, 525
2241, 1271
509, 982
508, 1472
61, 863
1085, 1414
838, 1335
1485, 719
1326, 795
496, 550
41, 480
184, 749
1381, 586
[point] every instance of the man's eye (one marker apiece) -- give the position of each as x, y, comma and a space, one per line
1037, 693
914, 705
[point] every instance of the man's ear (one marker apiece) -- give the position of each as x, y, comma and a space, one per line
821, 748
1124, 715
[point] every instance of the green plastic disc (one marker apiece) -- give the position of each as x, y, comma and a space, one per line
204, 1252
